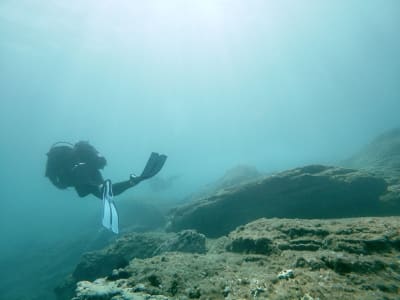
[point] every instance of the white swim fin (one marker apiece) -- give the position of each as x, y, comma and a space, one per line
106, 213
110, 214
114, 218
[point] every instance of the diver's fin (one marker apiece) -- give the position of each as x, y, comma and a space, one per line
160, 163
114, 218
151, 162
110, 215
153, 165
106, 214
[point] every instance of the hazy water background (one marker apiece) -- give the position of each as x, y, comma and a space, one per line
213, 84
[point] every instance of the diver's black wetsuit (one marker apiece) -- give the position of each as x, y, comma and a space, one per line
79, 166
91, 183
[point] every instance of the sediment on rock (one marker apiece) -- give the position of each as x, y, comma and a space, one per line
274, 259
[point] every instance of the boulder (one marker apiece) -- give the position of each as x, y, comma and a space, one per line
313, 191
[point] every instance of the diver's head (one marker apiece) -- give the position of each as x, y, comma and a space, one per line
88, 154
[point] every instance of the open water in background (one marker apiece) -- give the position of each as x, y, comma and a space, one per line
213, 84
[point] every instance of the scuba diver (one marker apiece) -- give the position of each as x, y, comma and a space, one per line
79, 166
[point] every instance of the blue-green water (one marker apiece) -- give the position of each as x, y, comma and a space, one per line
214, 84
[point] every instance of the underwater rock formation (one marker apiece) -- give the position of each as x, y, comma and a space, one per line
118, 254
100, 263
321, 259
102, 290
267, 258
313, 191
134, 245
185, 241
363, 236
381, 156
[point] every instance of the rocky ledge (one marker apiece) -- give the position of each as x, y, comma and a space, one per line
313, 191
269, 259
101, 263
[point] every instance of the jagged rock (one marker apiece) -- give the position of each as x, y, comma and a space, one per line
111, 260
342, 245
363, 236
348, 259
185, 241
118, 254
309, 192
103, 290
97, 264
100, 263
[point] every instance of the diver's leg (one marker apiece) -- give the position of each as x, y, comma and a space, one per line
122, 186
84, 190
96, 191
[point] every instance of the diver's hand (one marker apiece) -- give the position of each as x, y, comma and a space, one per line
134, 180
